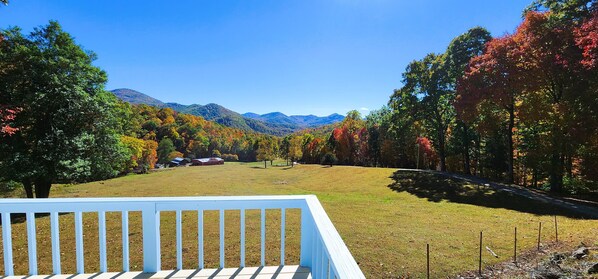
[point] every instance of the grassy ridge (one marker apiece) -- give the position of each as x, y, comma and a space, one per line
385, 226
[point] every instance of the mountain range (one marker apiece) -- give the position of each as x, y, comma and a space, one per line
274, 123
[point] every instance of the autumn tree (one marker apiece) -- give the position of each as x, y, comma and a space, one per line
295, 148
266, 150
555, 77
494, 77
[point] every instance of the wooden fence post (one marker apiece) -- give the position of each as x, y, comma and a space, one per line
480, 262
428, 259
556, 229
515, 248
539, 234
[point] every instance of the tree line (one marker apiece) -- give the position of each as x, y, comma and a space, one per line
519, 108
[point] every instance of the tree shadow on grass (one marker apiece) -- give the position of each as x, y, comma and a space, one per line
437, 188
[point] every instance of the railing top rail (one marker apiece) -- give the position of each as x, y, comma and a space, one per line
155, 203
344, 263
159, 199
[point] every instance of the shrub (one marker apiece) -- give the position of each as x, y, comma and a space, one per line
230, 157
329, 159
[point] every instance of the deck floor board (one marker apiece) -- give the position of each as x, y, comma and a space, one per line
278, 272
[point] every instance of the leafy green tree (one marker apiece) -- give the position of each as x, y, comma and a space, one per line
329, 159
428, 81
67, 123
165, 147
458, 54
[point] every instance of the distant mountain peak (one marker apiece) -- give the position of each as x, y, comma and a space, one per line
301, 121
136, 97
274, 123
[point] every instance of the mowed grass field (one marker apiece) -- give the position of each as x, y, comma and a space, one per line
385, 218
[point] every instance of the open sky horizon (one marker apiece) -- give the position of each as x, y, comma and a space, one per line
297, 57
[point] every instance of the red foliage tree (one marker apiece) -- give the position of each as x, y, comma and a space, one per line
7, 115
495, 76
586, 37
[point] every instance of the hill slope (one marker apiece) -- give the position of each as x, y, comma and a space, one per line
274, 123
302, 121
136, 97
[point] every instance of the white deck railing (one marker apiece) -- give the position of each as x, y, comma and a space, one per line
322, 249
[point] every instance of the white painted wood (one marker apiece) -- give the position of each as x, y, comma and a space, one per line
102, 238
318, 266
317, 231
55, 233
200, 238
307, 232
342, 262
278, 272
7, 243
282, 234
125, 230
31, 243
179, 240
221, 238
242, 262
79, 242
263, 237
151, 238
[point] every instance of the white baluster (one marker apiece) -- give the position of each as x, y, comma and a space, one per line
125, 229
79, 242
54, 227
242, 264
221, 238
179, 240
200, 238
7, 244
263, 236
102, 229
282, 234
32, 243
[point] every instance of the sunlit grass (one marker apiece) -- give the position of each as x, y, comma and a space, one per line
385, 229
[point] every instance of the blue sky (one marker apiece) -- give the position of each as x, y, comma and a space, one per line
297, 56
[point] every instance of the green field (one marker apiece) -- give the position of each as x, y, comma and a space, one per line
385, 218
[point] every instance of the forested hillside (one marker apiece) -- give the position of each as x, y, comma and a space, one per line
274, 123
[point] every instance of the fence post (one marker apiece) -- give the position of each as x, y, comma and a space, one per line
151, 238
480, 263
515, 248
539, 234
428, 259
556, 229
307, 229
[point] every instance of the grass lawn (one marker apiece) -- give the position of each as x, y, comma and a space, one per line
385, 218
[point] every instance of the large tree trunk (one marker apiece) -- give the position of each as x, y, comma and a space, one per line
441, 151
510, 139
556, 164
42, 188
466, 166
28, 188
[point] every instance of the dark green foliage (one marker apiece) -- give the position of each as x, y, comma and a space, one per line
165, 147
329, 159
68, 124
